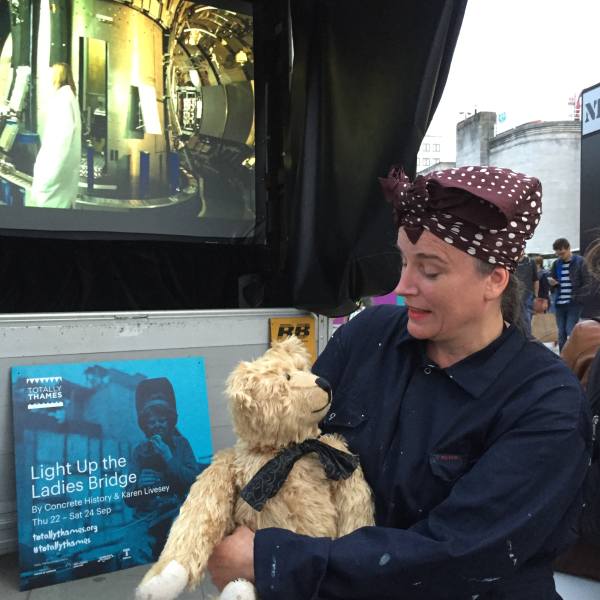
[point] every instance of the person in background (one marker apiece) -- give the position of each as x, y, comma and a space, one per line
543, 298
581, 348
568, 275
581, 355
474, 438
527, 274
584, 342
56, 169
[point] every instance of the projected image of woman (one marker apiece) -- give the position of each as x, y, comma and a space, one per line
56, 169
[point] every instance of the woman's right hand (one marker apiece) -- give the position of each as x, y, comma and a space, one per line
233, 558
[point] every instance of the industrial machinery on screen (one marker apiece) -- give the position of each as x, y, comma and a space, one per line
165, 92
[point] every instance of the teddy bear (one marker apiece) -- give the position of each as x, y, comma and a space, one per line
282, 472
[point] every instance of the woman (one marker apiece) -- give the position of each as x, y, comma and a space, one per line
56, 170
163, 460
580, 353
473, 438
584, 341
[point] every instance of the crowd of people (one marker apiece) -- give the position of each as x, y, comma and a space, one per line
562, 290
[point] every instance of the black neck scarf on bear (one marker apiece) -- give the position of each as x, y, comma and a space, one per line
269, 478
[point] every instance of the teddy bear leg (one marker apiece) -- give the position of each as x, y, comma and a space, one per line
167, 585
240, 589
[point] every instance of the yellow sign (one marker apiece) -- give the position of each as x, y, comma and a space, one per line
301, 327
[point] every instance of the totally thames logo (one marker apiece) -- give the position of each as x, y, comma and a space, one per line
44, 392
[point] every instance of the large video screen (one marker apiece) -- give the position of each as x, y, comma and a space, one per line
128, 117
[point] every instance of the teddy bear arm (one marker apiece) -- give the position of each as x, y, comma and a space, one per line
354, 500
204, 519
352, 496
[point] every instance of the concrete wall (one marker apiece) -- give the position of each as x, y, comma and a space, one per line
473, 137
549, 151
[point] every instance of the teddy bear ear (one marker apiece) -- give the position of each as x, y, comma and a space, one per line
291, 344
242, 400
296, 349
237, 385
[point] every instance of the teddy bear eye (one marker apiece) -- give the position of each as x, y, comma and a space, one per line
288, 376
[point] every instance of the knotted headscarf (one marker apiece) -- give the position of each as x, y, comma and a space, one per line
487, 212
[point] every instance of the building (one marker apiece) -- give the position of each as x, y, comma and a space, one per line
431, 151
548, 150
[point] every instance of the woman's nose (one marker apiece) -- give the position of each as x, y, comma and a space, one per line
398, 287
405, 286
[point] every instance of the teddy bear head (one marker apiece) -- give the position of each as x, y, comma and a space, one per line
275, 400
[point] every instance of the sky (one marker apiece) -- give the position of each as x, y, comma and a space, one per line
524, 58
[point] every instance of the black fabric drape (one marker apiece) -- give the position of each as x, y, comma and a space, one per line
366, 80
53, 275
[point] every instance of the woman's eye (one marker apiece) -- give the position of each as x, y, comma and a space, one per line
431, 275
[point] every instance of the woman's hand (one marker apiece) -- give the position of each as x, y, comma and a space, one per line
233, 558
161, 448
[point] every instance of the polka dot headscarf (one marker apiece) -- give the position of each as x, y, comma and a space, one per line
486, 212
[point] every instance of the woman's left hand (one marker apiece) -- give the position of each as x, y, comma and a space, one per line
233, 558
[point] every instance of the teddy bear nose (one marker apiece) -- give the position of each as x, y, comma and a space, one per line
324, 385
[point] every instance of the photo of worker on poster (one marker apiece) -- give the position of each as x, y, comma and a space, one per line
105, 453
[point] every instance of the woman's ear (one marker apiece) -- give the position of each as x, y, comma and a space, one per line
496, 283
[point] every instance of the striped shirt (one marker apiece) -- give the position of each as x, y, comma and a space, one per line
565, 293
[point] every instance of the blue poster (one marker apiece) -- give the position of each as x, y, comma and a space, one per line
105, 454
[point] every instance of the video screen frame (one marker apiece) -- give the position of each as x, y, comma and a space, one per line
205, 187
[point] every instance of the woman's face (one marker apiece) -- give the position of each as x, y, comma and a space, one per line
448, 298
56, 77
157, 424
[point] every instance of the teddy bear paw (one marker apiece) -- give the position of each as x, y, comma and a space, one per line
167, 585
240, 589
